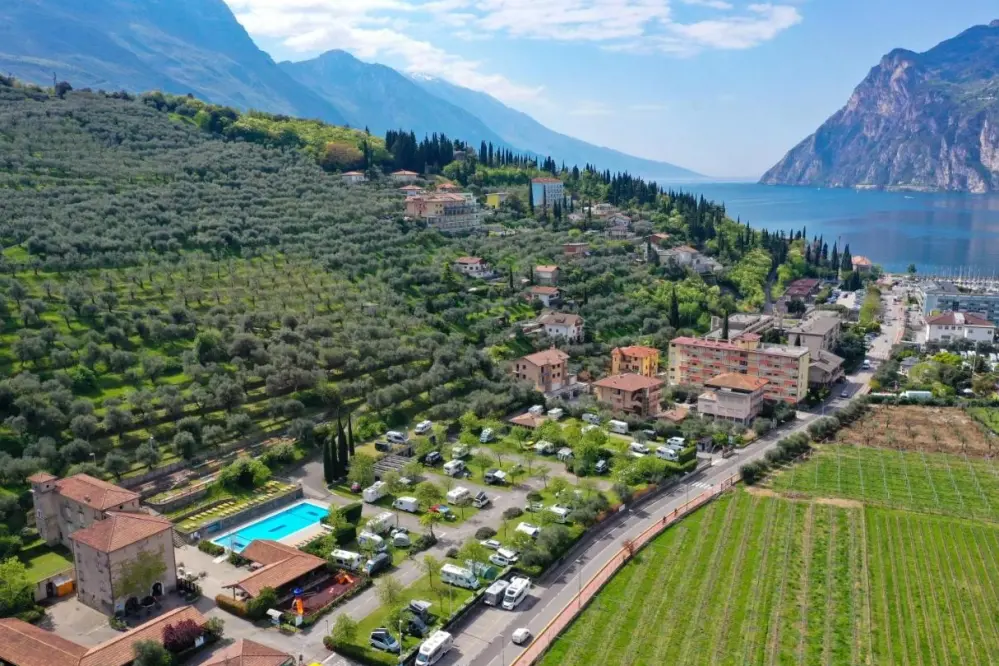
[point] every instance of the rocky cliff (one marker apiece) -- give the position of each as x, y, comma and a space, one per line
927, 121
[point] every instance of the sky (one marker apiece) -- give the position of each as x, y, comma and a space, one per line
723, 87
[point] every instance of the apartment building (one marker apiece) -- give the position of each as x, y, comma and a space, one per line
688, 257
561, 325
448, 213
546, 192
696, 361
819, 331
733, 397
63, 506
938, 297
951, 326
630, 394
635, 360
547, 370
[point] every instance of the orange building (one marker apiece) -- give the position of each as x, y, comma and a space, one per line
548, 370
630, 394
638, 360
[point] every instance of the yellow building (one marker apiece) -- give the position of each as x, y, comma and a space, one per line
635, 360
494, 199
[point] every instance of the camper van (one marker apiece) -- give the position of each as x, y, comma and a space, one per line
592, 419
530, 530
536, 410
423, 427
375, 492
515, 593
381, 523
370, 540
457, 494
486, 436
459, 451
407, 504
454, 468
561, 513
459, 577
667, 453
347, 559
434, 648
494, 595
679, 442
639, 448
556, 413
396, 437
619, 427
544, 448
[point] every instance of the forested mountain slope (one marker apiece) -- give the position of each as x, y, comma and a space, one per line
177, 46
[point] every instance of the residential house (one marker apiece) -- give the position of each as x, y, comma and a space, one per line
619, 220
951, 326
104, 549
618, 233
281, 567
448, 187
688, 257
603, 209
403, 176
412, 190
824, 369
549, 296
575, 249
862, 265
495, 199
63, 506
473, 267
820, 330
352, 177
546, 192
447, 213
732, 397
630, 394
24, 644
658, 239
576, 218
695, 361
635, 360
547, 370
940, 296
245, 652
802, 289
560, 325
546, 275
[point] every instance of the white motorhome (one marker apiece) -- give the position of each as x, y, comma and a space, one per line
515, 593
434, 648
676, 441
375, 492
536, 410
619, 427
396, 437
381, 523
347, 559
454, 467
667, 453
494, 594
544, 448
530, 530
459, 577
592, 419
370, 540
407, 504
457, 494
561, 513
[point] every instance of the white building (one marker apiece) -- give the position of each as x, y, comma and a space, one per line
952, 326
473, 267
687, 257
547, 192
352, 177
404, 176
561, 325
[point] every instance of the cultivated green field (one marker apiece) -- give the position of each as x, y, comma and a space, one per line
928, 482
765, 580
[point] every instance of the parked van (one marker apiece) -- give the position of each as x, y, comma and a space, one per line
434, 648
638, 447
381, 523
667, 453
459, 451
536, 410
396, 437
459, 577
556, 413
515, 593
495, 477
407, 504
379, 562
494, 594
454, 467
545, 448
564, 454
347, 560
619, 427
457, 494
592, 419
530, 530
486, 436
375, 491
561, 513
423, 427
480, 500
676, 441
602, 467
370, 540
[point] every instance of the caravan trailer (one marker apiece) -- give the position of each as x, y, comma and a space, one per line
459, 577
434, 648
347, 559
494, 595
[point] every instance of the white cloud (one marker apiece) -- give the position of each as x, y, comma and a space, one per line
763, 23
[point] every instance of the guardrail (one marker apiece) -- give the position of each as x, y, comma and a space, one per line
581, 599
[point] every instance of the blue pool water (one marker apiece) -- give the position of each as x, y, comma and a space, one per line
274, 527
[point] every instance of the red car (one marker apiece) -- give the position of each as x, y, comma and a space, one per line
445, 512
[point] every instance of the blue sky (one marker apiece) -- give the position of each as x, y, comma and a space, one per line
724, 87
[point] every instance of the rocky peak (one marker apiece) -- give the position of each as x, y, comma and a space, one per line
994, 24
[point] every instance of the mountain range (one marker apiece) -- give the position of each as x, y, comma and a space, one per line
199, 47
922, 121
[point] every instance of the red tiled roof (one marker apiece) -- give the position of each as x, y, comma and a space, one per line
637, 351
25, 644
448, 186
121, 650
629, 382
959, 319
245, 652
684, 248
468, 260
861, 261
120, 529
411, 188
352, 173
748, 336
41, 477
403, 172
561, 318
528, 420
737, 381
547, 357
546, 268
280, 572
550, 291
97, 494
264, 551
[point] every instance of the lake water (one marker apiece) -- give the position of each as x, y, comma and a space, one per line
945, 233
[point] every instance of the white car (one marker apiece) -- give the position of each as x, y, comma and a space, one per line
423, 427
492, 544
521, 636
499, 560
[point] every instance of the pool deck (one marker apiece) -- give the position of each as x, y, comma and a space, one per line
299, 536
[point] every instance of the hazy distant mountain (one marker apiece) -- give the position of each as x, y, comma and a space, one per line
919, 120
380, 98
519, 129
177, 46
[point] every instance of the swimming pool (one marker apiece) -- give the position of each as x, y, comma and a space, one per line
275, 526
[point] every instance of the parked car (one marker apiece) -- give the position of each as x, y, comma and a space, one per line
378, 563
511, 555
396, 437
423, 427
445, 512
415, 626
481, 500
499, 560
495, 477
638, 447
521, 636
433, 458
381, 639
492, 544
602, 467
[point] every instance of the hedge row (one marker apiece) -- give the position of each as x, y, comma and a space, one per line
787, 450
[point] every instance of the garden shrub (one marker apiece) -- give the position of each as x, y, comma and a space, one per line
210, 548
486, 532
234, 606
513, 512
352, 512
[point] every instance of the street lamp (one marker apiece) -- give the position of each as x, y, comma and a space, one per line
579, 583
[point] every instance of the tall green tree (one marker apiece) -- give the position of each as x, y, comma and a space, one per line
350, 435
674, 310
329, 464
342, 451
846, 263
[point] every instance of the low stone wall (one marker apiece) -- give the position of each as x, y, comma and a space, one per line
216, 528
181, 500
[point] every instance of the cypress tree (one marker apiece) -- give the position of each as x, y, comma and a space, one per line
847, 262
834, 258
341, 446
350, 436
530, 197
674, 310
725, 327
329, 463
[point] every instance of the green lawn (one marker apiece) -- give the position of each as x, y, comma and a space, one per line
48, 563
766, 580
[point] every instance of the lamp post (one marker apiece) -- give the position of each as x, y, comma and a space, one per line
579, 583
